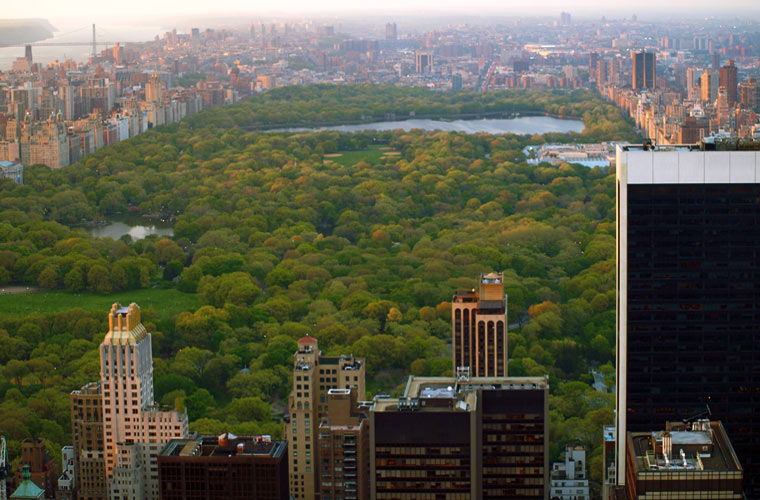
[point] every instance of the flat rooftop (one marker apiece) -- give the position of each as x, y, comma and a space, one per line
217, 446
693, 449
436, 394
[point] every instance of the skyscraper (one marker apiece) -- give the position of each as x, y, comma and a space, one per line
709, 86
462, 438
423, 62
479, 328
391, 32
728, 81
87, 437
135, 429
749, 95
688, 278
314, 376
644, 73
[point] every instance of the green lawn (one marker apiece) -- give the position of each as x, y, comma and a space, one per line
167, 302
350, 158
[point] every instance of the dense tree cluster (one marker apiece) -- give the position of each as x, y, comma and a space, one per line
278, 240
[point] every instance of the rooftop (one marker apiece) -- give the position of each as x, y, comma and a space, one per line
700, 446
227, 444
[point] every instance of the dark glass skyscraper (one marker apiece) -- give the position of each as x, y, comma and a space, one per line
644, 74
689, 294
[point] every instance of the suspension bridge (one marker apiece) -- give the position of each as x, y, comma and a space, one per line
94, 43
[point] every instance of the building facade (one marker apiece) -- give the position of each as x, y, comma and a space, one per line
87, 438
226, 467
344, 447
461, 439
644, 74
688, 275
479, 328
314, 376
569, 480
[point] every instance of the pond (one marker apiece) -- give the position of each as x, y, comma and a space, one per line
521, 125
137, 227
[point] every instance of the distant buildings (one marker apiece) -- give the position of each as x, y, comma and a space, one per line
391, 32
568, 478
12, 170
423, 62
479, 328
468, 438
226, 467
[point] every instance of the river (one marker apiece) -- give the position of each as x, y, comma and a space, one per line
521, 125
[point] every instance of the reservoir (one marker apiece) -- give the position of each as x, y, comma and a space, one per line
522, 125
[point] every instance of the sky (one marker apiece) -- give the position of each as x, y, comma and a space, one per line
52, 9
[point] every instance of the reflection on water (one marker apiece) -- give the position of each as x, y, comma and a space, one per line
116, 230
522, 125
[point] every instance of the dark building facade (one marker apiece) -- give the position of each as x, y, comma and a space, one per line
461, 439
644, 73
727, 78
688, 289
227, 467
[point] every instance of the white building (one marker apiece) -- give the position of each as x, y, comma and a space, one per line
568, 478
135, 429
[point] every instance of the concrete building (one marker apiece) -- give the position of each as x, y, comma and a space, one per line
687, 275
465, 439
226, 467
87, 437
684, 461
568, 478
314, 376
66, 482
479, 328
344, 447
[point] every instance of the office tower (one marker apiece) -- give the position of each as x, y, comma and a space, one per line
423, 62
135, 429
709, 84
565, 19
715, 58
344, 447
462, 438
749, 95
479, 328
226, 467
391, 33
644, 72
687, 279
683, 461
569, 480
727, 80
313, 377
28, 54
87, 437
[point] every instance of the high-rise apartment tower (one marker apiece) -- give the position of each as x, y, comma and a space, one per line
644, 73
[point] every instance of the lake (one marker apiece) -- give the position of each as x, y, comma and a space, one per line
521, 125
137, 230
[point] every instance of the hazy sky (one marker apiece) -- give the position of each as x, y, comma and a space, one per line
52, 9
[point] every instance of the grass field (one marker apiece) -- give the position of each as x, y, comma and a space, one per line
349, 158
166, 303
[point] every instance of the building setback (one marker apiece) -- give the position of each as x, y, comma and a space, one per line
314, 376
227, 467
466, 438
688, 278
